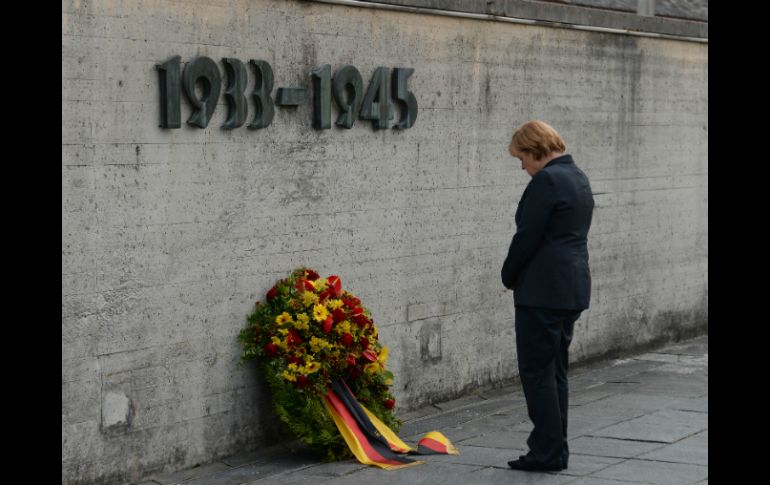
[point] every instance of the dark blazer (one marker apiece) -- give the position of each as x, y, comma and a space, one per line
547, 262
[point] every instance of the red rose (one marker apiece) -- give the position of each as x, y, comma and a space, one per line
311, 275
339, 315
354, 373
370, 355
358, 310
293, 337
271, 350
328, 324
301, 381
351, 360
361, 320
293, 360
335, 285
272, 293
389, 403
303, 284
324, 295
351, 301
364, 342
347, 340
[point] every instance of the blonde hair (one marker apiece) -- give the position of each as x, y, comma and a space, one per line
538, 139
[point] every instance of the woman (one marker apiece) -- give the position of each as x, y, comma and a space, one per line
547, 269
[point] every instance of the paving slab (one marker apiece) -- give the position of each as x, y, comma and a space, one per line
497, 476
666, 426
610, 447
692, 450
656, 472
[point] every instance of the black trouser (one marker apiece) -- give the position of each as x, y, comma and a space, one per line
543, 336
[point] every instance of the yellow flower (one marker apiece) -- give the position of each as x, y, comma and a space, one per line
311, 367
334, 304
320, 313
317, 344
283, 331
302, 322
378, 366
343, 327
279, 342
383, 356
309, 298
289, 376
388, 381
320, 284
293, 367
314, 346
283, 318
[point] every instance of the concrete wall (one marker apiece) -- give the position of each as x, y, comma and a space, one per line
681, 18
169, 236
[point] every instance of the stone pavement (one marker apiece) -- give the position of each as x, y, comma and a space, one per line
642, 419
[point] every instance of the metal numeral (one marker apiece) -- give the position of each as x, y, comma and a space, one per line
347, 81
376, 105
205, 69
170, 115
265, 108
404, 97
236, 100
322, 99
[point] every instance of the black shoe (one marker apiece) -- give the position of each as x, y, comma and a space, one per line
528, 464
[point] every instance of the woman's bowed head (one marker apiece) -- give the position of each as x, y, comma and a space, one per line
536, 143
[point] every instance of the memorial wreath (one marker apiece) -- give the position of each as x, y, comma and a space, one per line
308, 332
319, 351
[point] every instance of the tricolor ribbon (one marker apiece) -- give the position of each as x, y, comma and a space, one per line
370, 440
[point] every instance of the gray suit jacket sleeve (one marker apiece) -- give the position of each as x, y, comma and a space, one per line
532, 215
